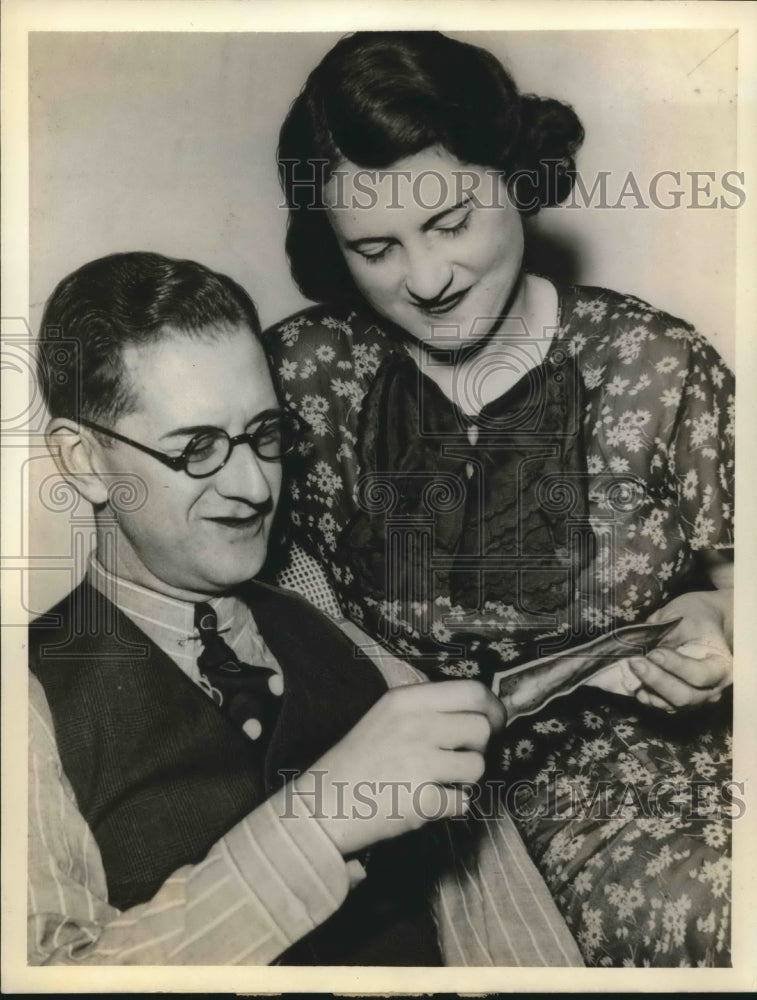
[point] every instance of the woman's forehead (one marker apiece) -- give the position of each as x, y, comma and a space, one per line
418, 186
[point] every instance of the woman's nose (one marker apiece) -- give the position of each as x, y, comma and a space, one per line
428, 274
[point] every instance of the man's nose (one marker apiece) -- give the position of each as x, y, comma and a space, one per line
244, 476
428, 275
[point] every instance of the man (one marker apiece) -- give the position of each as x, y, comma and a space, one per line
202, 746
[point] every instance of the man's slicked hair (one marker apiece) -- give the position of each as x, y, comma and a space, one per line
126, 299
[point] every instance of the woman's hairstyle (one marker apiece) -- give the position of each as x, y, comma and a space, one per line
120, 300
378, 97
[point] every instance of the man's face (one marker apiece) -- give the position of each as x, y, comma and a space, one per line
194, 538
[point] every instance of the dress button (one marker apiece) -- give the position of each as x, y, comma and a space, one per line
276, 684
252, 728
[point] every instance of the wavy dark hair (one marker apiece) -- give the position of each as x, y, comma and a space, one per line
378, 97
123, 299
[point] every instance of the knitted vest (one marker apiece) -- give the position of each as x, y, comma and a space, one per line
160, 773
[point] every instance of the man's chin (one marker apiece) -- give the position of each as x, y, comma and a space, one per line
224, 583
223, 579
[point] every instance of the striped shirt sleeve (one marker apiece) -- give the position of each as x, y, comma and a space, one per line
272, 879
396, 672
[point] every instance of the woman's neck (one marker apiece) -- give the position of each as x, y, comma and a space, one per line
517, 344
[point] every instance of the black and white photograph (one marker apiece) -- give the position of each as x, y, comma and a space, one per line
370, 608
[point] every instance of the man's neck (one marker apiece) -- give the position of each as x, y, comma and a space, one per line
115, 554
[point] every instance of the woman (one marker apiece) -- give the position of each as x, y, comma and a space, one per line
497, 468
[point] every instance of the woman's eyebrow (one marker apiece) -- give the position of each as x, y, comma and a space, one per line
366, 241
428, 224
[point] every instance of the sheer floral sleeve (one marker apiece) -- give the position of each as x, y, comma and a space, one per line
700, 456
659, 410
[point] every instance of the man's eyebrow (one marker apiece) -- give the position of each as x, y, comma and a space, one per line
184, 431
428, 224
266, 414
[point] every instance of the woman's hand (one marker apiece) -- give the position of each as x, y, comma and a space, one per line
694, 663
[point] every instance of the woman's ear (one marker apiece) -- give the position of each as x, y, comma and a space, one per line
73, 454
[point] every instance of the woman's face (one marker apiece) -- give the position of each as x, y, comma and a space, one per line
433, 244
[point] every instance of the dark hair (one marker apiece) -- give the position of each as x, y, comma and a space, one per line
124, 299
378, 97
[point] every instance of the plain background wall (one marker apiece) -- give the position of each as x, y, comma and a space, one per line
167, 142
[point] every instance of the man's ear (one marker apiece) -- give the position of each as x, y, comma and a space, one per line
73, 453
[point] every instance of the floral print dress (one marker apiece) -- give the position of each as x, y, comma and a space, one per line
575, 502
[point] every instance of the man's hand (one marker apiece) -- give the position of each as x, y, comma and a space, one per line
694, 663
403, 763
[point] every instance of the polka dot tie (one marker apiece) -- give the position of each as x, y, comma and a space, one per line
248, 694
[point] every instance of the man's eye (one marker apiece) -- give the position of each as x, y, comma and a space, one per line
270, 432
202, 446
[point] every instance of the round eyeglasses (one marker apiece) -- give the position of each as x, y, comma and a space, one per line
275, 436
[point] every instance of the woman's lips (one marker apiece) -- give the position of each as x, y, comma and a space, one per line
444, 305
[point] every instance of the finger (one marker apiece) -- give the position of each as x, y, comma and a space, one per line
432, 801
700, 649
483, 701
460, 766
667, 686
443, 696
464, 731
675, 635
451, 696
631, 682
647, 697
661, 616
706, 672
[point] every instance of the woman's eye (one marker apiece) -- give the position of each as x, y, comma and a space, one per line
458, 227
375, 255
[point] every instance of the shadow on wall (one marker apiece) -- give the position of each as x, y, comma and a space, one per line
553, 256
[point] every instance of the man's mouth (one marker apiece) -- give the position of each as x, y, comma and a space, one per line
445, 305
240, 523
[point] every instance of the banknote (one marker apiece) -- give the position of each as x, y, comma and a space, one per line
527, 688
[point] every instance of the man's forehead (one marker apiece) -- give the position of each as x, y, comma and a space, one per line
177, 339
180, 374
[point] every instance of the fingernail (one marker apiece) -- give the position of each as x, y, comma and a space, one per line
694, 651
639, 667
657, 656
